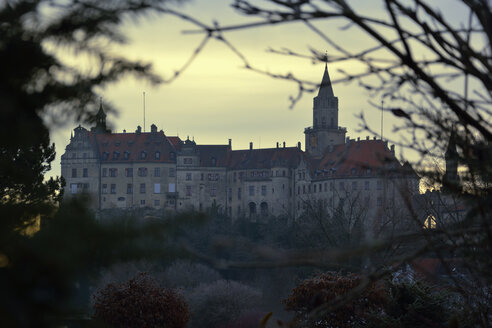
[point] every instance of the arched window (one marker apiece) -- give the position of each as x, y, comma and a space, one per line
252, 209
264, 209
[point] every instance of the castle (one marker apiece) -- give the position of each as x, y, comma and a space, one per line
151, 169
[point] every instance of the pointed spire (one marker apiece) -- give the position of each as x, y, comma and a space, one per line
100, 112
325, 89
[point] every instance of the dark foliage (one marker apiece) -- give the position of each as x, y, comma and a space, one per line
140, 302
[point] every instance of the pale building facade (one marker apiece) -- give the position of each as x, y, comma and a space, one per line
150, 169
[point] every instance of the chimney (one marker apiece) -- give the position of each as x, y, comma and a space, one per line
139, 129
230, 143
347, 140
153, 128
374, 138
250, 146
367, 137
277, 145
299, 145
284, 144
358, 139
124, 131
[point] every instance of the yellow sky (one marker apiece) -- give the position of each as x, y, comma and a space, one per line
216, 98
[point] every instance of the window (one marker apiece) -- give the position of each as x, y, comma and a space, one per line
157, 188
379, 201
298, 190
283, 173
84, 155
86, 187
142, 171
105, 155
263, 190
187, 160
142, 188
172, 172
74, 155
369, 171
213, 176
172, 187
304, 189
104, 188
126, 155
157, 202
113, 172
353, 171
188, 190
129, 188
188, 176
354, 185
74, 173
326, 186
142, 202
172, 156
380, 185
201, 176
341, 185
105, 172
214, 161
213, 190
314, 188
116, 154
331, 186
277, 173
143, 154
157, 171
366, 185
129, 172
85, 172
73, 188
113, 188
238, 193
234, 176
157, 155
251, 190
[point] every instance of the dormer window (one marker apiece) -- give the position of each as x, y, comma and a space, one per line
157, 155
105, 155
126, 155
172, 156
143, 154
354, 170
214, 161
116, 154
369, 171
117, 143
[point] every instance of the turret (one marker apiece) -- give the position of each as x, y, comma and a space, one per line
100, 120
325, 131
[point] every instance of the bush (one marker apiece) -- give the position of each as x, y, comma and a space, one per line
327, 288
140, 302
220, 303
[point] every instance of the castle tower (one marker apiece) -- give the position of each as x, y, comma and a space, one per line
325, 131
100, 120
451, 180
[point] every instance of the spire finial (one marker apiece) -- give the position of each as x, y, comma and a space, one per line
326, 58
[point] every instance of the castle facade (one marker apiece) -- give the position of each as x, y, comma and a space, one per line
151, 169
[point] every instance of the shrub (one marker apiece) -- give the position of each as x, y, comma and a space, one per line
140, 302
327, 288
217, 304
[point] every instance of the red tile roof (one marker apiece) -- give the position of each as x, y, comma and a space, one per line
356, 158
113, 146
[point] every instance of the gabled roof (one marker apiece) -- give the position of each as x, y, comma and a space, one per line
356, 158
264, 158
134, 144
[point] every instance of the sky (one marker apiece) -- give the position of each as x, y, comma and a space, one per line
216, 98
